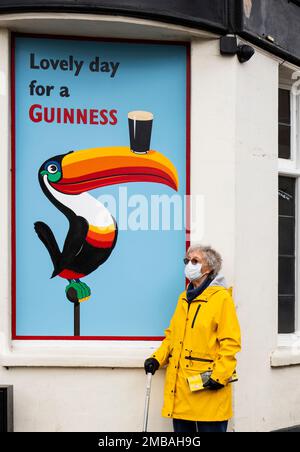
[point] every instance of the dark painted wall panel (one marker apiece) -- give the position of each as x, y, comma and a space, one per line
6, 409
206, 13
254, 20
277, 18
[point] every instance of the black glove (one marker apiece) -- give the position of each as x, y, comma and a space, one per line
151, 365
213, 385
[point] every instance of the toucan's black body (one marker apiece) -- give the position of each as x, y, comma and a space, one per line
78, 256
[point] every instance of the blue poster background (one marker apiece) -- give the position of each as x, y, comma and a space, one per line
134, 293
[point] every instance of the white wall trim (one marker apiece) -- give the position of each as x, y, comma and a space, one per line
52, 353
5, 192
287, 352
291, 168
292, 164
285, 356
98, 25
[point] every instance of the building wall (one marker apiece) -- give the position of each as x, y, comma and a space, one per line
237, 149
256, 240
234, 169
266, 398
73, 399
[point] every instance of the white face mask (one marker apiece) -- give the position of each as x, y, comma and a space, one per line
193, 272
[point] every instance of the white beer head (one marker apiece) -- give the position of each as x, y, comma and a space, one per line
140, 115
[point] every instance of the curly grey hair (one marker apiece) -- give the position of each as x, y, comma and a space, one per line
211, 257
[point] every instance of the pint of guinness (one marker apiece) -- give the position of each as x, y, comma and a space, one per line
140, 127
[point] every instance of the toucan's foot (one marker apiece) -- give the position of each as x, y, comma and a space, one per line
78, 291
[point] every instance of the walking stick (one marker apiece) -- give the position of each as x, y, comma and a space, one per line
147, 401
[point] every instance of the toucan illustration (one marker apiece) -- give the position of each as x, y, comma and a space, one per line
66, 180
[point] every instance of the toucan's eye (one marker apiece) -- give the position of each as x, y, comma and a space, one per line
52, 169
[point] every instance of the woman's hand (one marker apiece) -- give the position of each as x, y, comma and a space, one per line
213, 385
151, 365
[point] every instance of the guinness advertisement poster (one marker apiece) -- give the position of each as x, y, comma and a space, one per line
100, 178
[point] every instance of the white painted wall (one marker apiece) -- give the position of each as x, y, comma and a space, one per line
74, 399
234, 167
267, 398
256, 245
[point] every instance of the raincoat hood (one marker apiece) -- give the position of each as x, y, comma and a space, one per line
219, 280
217, 284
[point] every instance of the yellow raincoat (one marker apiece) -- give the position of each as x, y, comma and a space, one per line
202, 337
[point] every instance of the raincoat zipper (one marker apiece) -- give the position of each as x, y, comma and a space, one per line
192, 358
195, 316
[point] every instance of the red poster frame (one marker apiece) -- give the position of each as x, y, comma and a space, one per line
14, 335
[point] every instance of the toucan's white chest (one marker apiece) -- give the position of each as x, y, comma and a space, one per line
84, 205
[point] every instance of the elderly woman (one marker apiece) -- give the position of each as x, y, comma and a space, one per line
203, 337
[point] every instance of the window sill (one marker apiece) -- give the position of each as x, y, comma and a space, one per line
75, 354
287, 352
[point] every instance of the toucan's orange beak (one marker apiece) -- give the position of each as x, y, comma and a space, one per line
88, 169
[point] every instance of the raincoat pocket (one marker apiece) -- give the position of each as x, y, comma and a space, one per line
197, 362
